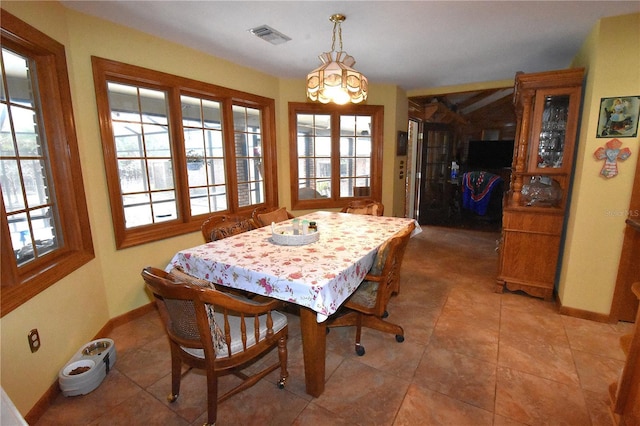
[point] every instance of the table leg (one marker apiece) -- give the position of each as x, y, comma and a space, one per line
314, 342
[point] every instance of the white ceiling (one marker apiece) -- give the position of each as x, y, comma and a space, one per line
412, 44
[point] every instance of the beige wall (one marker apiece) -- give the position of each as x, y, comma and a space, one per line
72, 311
598, 208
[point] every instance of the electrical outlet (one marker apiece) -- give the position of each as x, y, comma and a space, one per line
34, 340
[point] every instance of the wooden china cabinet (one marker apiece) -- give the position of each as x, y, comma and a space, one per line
547, 106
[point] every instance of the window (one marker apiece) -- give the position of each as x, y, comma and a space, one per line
177, 151
336, 154
44, 220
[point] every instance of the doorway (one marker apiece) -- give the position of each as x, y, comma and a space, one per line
447, 123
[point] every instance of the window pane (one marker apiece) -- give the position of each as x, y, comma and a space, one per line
193, 142
216, 172
160, 176
191, 113
157, 140
26, 130
11, 182
7, 147
19, 86
211, 114
218, 199
137, 209
35, 182
347, 147
153, 106
43, 230
346, 187
355, 153
347, 125
248, 151
213, 145
347, 167
123, 100
132, 176
128, 139
20, 237
363, 147
363, 167
202, 123
199, 201
25, 174
44, 240
164, 205
143, 150
314, 155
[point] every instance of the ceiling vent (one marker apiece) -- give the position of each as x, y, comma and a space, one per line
267, 33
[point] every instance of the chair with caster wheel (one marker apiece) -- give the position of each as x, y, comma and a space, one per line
216, 332
367, 306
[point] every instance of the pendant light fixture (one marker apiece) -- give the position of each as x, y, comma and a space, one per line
335, 80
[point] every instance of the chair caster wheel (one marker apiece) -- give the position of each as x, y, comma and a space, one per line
359, 350
172, 398
385, 314
399, 338
281, 383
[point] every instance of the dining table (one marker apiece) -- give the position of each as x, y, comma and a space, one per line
318, 275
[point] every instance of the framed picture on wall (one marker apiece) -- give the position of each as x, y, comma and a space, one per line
619, 117
403, 140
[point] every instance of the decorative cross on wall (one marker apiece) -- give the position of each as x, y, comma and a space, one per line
611, 153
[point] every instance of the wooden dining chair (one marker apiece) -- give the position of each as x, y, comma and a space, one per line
223, 226
364, 206
263, 216
367, 306
218, 333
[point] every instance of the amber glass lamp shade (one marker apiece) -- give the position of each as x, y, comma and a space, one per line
336, 81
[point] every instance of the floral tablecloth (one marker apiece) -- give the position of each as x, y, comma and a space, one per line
320, 275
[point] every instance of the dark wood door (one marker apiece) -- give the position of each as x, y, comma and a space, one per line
625, 304
435, 164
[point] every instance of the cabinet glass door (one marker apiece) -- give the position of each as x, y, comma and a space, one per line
553, 128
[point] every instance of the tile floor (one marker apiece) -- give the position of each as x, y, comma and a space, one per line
471, 357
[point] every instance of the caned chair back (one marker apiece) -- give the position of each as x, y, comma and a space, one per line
364, 206
223, 226
178, 306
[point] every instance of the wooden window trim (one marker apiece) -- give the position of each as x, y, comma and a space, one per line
377, 114
21, 284
105, 70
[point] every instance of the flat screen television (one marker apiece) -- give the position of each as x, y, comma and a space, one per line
489, 154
